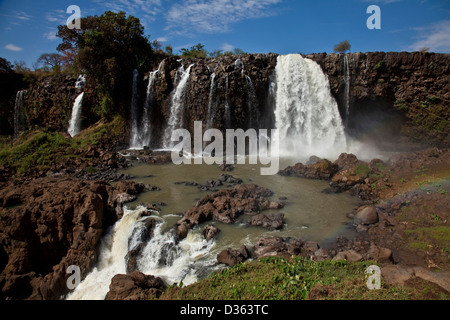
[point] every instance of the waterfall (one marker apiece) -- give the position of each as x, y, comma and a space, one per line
211, 105
81, 82
162, 255
227, 105
75, 120
135, 142
252, 99
18, 113
177, 105
347, 89
306, 114
141, 123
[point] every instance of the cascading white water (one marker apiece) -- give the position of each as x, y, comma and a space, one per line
252, 100
177, 105
306, 114
141, 124
81, 82
135, 137
227, 105
211, 104
75, 120
162, 255
18, 113
347, 89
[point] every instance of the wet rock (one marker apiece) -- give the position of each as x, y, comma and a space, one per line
210, 232
226, 167
278, 247
270, 221
322, 169
225, 206
366, 215
135, 286
232, 257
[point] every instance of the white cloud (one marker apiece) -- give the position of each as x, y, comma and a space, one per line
208, 16
21, 15
146, 10
227, 47
13, 47
51, 35
59, 16
436, 37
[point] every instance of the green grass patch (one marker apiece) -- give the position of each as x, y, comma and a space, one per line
362, 170
281, 279
39, 150
438, 237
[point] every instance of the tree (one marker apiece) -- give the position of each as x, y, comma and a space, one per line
197, 51
20, 66
49, 61
5, 65
216, 53
108, 48
169, 50
342, 47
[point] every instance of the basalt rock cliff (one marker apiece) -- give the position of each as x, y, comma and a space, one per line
386, 98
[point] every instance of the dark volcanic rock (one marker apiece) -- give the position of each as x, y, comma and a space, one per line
322, 169
135, 286
226, 206
210, 232
270, 221
48, 225
232, 257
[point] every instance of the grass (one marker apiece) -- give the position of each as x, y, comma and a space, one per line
39, 150
362, 170
288, 279
424, 237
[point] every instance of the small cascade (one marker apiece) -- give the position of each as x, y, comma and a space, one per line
141, 120
178, 104
347, 90
306, 114
135, 137
252, 100
162, 255
18, 113
81, 83
75, 120
211, 104
228, 124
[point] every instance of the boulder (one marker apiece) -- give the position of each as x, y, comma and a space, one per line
225, 206
278, 247
366, 215
322, 169
210, 232
380, 254
135, 286
349, 255
232, 257
270, 221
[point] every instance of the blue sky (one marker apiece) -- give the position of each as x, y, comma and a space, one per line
28, 27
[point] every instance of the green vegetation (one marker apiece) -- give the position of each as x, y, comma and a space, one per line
289, 279
40, 150
380, 66
424, 237
108, 48
362, 170
197, 51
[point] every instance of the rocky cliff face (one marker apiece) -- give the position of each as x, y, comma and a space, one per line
384, 97
392, 95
